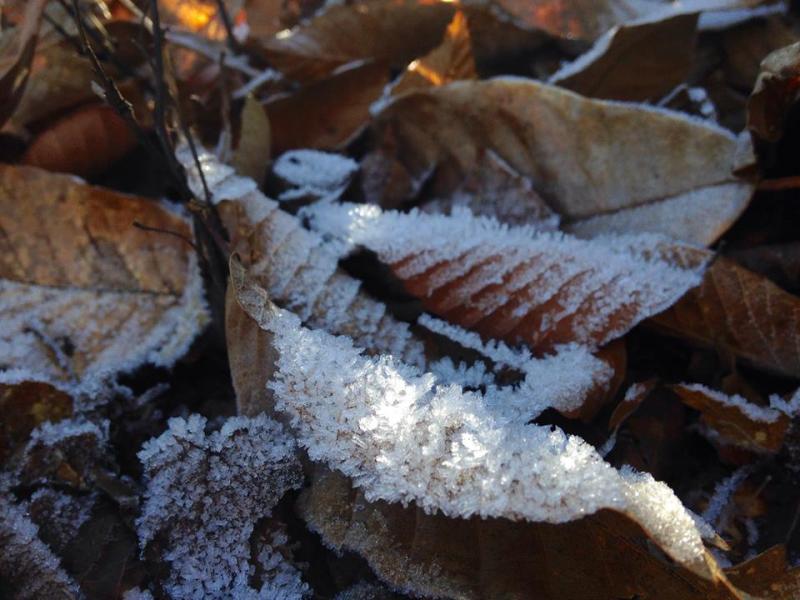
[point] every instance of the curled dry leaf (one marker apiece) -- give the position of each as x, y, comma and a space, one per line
85, 142
737, 421
434, 556
384, 31
297, 266
585, 157
635, 62
777, 89
449, 61
328, 113
740, 314
16, 54
403, 437
519, 285
85, 293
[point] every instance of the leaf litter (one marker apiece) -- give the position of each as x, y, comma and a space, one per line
510, 299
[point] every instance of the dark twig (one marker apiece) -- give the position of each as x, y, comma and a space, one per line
228, 24
781, 184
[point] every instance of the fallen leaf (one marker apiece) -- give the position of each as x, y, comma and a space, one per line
779, 263
581, 154
519, 285
634, 396
16, 54
449, 61
736, 420
328, 113
741, 314
434, 556
777, 89
382, 31
85, 142
767, 575
639, 61
255, 141
25, 405
86, 294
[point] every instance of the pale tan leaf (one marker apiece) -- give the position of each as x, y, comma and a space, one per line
741, 314
436, 556
84, 293
519, 285
255, 141
449, 61
639, 61
736, 420
329, 113
382, 30
16, 54
585, 157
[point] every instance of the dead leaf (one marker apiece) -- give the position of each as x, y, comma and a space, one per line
738, 421
436, 556
449, 61
516, 284
779, 263
634, 62
328, 113
24, 406
382, 30
16, 53
86, 294
634, 396
252, 155
767, 575
85, 142
586, 157
741, 314
777, 89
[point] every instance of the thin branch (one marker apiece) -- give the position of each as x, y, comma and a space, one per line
226, 21
779, 185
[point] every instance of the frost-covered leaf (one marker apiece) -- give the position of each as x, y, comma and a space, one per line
740, 314
205, 494
736, 420
85, 294
404, 437
449, 61
431, 555
298, 268
24, 405
519, 284
17, 47
635, 62
28, 568
585, 157
310, 175
329, 113
382, 30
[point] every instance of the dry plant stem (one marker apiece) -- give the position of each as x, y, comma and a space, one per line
780, 184
226, 21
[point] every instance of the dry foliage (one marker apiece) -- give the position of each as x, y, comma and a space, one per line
399, 298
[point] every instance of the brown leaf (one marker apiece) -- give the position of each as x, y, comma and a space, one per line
767, 575
778, 262
329, 113
738, 421
776, 91
635, 62
741, 314
24, 406
436, 556
255, 141
449, 61
16, 53
517, 285
85, 142
85, 293
382, 30
586, 157
634, 396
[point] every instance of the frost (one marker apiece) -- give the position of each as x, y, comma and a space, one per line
27, 565
300, 270
723, 493
790, 408
402, 437
314, 173
137, 594
723, 19
62, 515
586, 291
750, 410
205, 494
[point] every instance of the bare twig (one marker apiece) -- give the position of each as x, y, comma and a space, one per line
781, 184
226, 21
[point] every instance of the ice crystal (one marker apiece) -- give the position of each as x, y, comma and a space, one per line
311, 173
748, 409
205, 494
403, 437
